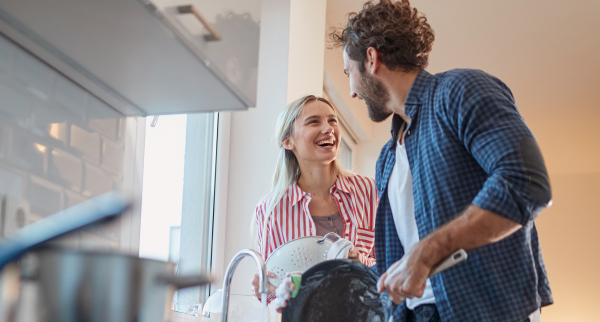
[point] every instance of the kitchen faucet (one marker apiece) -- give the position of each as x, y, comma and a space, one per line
262, 276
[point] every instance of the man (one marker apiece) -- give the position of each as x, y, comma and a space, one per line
462, 170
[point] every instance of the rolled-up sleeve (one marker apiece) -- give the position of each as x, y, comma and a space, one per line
485, 117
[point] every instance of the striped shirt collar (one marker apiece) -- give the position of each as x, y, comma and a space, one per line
295, 193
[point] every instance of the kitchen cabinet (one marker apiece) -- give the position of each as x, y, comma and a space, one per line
144, 58
226, 31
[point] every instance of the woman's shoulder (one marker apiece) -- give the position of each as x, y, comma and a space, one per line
359, 183
266, 201
355, 178
262, 205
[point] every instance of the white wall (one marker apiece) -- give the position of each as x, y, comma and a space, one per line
290, 65
306, 45
547, 53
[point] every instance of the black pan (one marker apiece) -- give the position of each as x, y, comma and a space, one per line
338, 290
345, 290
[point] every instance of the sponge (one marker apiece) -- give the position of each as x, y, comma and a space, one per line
297, 280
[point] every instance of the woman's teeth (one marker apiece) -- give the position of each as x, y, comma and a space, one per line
325, 143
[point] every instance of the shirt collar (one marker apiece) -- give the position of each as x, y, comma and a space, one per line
412, 103
295, 194
341, 184
418, 89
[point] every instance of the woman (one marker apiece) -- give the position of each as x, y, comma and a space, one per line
312, 195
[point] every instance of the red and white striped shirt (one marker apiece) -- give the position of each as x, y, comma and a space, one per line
356, 198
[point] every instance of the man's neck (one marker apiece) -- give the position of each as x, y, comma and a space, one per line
398, 84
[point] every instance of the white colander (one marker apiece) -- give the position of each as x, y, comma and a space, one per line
298, 255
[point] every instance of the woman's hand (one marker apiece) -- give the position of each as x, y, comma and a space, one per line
354, 255
256, 283
283, 292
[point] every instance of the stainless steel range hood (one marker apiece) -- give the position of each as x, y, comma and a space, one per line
126, 52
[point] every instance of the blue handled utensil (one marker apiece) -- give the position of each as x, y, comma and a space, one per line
98, 209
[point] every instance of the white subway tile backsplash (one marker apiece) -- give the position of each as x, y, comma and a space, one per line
70, 96
97, 242
3, 140
59, 145
45, 198
71, 240
112, 156
73, 198
7, 50
103, 118
88, 143
106, 127
33, 74
65, 169
11, 183
121, 128
96, 181
27, 151
14, 104
48, 121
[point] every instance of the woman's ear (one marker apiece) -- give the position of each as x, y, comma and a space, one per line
287, 144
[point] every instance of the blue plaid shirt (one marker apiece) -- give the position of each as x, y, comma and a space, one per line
468, 144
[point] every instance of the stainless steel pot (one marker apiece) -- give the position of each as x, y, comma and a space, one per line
66, 285
70, 285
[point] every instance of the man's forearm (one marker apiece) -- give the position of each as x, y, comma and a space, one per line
475, 227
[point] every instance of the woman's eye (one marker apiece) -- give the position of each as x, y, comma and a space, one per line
333, 120
311, 122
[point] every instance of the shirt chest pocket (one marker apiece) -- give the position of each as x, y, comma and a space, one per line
364, 240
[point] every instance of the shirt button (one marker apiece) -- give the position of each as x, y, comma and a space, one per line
348, 221
408, 132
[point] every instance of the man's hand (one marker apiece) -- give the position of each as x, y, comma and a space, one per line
256, 283
406, 278
474, 228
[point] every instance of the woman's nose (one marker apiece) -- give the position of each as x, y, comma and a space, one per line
327, 128
352, 94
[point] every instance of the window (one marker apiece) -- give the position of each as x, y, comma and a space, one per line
345, 155
178, 196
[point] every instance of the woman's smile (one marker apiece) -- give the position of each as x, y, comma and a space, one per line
328, 143
316, 134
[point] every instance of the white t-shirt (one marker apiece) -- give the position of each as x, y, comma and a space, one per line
402, 202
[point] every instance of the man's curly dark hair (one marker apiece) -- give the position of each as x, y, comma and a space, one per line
399, 32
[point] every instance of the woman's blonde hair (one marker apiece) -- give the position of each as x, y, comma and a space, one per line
287, 170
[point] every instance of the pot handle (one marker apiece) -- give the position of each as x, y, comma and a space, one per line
322, 240
185, 281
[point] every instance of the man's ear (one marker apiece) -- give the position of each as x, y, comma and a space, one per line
372, 64
287, 144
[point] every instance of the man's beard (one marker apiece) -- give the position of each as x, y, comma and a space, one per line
376, 97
